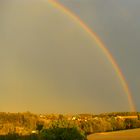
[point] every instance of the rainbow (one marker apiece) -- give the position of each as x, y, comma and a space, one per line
65, 10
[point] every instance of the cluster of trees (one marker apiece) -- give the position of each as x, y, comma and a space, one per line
105, 124
57, 130
21, 125
63, 130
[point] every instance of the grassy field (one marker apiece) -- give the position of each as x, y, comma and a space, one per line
133, 134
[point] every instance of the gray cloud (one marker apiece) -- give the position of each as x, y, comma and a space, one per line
50, 64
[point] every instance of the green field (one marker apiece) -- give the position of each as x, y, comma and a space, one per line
133, 134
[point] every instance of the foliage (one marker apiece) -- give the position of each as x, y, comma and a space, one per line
27, 123
19, 137
63, 130
39, 126
63, 134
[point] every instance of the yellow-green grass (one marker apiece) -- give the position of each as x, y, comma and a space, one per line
133, 134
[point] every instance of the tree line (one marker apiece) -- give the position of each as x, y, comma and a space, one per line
29, 126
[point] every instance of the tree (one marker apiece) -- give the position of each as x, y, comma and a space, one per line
39, 126
63, 131
62, 134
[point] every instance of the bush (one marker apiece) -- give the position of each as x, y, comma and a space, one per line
62, 134
57, 131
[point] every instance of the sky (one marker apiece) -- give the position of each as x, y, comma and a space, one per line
50, 64
117, 23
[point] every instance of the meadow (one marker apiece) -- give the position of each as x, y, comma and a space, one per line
133, 134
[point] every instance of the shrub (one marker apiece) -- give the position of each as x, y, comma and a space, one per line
62, 131
62, 134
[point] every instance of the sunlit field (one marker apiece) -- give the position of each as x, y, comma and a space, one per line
133, 134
